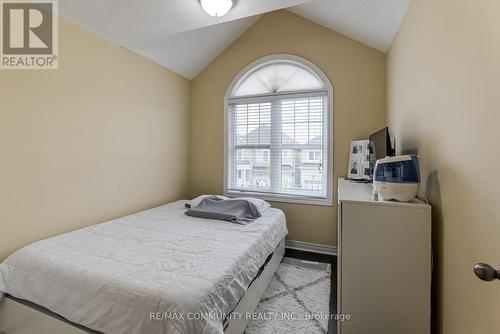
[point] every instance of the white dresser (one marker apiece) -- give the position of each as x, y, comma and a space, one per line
384, 263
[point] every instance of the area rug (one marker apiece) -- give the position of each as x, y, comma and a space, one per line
296, 301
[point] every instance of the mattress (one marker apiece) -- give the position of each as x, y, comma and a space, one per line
157, 271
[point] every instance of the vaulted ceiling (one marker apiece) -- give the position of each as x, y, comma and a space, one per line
179, 35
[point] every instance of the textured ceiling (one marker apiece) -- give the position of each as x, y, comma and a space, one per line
179, 35
188, 53
128, 22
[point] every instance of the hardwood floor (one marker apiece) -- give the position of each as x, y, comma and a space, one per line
308, 256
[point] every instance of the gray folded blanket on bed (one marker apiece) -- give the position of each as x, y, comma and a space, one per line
232, 210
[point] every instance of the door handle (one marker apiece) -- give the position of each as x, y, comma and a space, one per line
486, 272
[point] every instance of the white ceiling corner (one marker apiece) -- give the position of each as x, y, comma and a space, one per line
371, 22
188, 53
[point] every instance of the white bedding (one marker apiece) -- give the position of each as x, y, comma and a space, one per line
110, 277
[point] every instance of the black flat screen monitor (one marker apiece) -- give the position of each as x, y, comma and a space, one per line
380, 147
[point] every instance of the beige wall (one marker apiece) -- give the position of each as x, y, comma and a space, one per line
103, 136
444, 102
356, 72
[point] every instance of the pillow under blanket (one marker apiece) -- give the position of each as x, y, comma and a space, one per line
239, 211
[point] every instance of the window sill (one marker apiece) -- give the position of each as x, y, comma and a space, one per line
282, 198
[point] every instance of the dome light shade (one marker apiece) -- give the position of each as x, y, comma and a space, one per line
216, 8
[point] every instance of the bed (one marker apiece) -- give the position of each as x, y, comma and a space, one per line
157, 271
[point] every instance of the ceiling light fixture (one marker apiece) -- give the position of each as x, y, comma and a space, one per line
217, 8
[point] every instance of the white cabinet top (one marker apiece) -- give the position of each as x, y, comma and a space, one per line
349, 191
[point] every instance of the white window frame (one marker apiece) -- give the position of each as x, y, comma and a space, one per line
299, 199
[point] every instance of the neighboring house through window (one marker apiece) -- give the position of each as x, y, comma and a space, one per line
278, 133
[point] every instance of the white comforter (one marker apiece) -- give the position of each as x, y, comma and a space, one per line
113, 277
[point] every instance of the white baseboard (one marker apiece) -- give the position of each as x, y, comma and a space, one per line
310, 247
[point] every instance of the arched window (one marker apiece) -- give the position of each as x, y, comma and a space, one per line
278, 132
